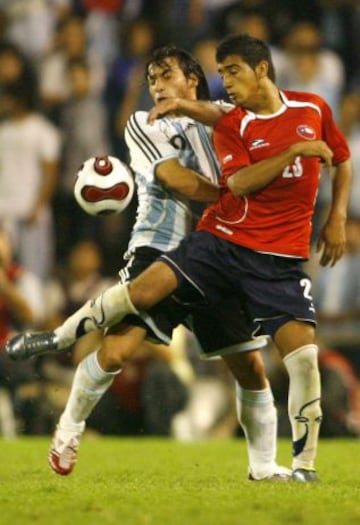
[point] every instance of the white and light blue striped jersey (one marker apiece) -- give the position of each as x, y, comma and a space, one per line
164, 218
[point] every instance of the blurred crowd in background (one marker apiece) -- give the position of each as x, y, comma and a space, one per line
71, 73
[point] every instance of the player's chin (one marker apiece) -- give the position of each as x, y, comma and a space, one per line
236, 99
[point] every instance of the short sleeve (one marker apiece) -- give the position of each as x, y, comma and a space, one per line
332, 135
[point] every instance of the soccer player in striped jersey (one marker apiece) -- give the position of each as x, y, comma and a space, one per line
173, 163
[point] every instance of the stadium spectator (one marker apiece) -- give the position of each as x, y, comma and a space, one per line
83, 125
74, 282
102, 23
30, 150
70, 42
256, 23
349, 123
310, 66
125, 90
21, 306
16, 67
204, 51
30, 25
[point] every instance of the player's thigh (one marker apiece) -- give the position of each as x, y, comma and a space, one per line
293, 335
156, 283
148, 280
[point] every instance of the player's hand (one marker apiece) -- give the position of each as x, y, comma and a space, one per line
331, 243
162, 108
315, 148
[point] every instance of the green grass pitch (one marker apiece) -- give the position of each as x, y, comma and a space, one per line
163, 482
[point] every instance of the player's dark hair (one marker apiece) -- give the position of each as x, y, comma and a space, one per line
187, 63
251, 49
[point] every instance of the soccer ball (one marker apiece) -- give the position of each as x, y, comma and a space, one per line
104, 186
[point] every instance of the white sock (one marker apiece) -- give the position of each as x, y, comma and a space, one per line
104, 310
304, 403
89, 384
258, 418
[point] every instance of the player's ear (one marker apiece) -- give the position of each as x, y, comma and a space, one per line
193, 80
262, 69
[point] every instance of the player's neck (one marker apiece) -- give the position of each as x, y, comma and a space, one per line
268, 101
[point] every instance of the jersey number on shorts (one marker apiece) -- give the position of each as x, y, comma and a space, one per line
306, 284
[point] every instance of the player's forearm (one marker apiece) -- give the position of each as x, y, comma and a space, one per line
197, 188
341, 191
205, 191
256, 176
206, 112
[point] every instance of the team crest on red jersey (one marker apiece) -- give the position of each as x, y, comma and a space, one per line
306, 132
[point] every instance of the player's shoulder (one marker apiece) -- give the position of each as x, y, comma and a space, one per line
138, 118
138, 124
306, 97
231, 117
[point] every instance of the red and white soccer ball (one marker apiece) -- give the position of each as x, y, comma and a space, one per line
104, 186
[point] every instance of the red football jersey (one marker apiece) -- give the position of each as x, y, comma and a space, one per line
277, 218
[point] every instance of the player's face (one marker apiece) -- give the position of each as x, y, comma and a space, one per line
168, 80
241, 82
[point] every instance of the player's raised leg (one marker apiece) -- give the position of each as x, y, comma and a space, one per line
154, 284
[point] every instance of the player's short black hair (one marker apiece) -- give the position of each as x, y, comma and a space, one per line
187, 63
251, 49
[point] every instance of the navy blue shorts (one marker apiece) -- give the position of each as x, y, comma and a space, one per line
273, 289
220, 329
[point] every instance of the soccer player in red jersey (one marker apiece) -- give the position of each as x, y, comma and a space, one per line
253, 240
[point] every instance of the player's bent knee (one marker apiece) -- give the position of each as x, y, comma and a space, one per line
292, 335
113, 354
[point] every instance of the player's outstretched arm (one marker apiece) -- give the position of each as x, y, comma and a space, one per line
206, 112
257, 176
332, 237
